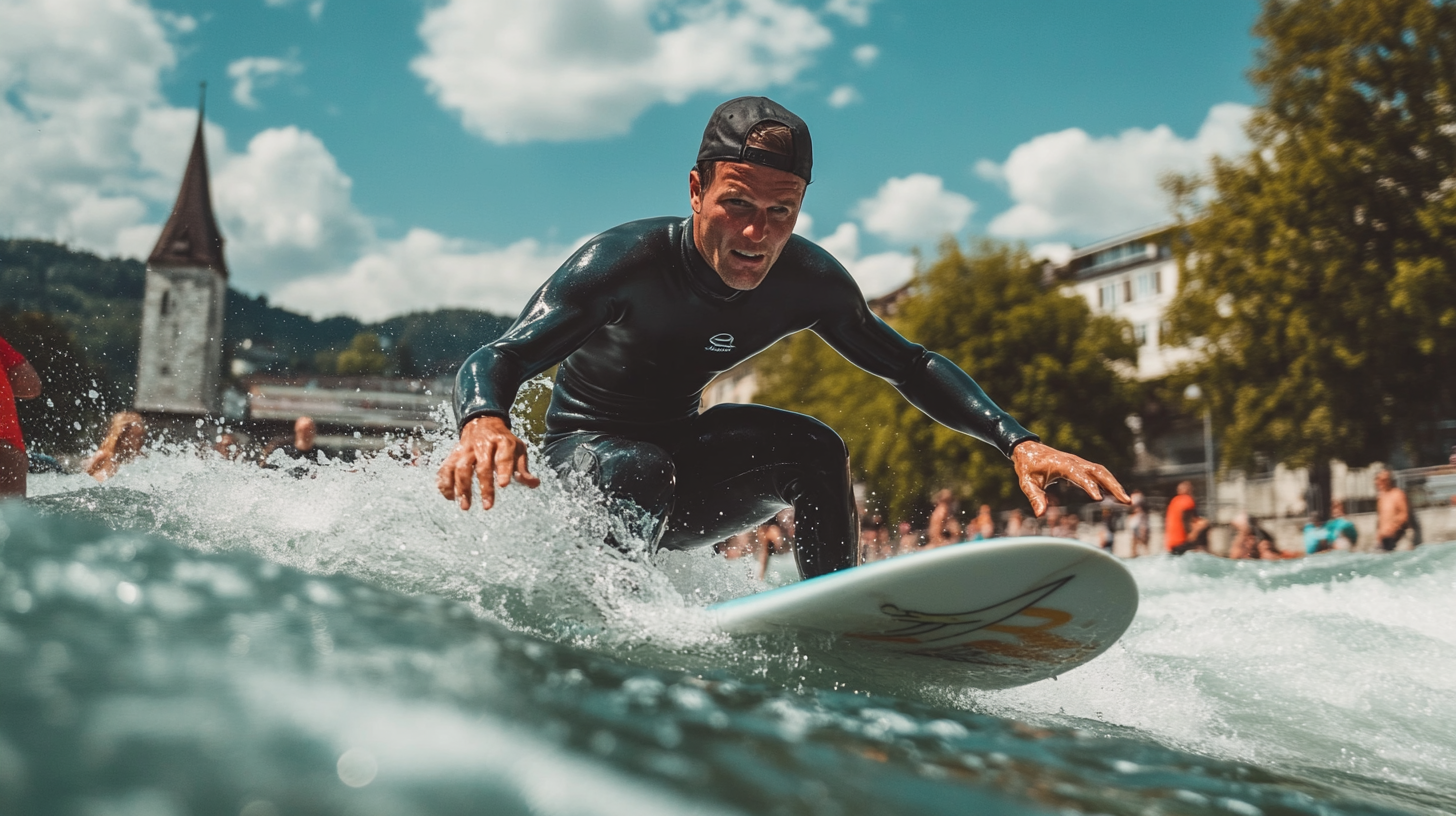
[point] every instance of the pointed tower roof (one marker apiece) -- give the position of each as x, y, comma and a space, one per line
191, 236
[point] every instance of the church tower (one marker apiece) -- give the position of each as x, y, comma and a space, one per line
180, 359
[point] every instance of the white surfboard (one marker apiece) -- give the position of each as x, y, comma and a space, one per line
1011, 611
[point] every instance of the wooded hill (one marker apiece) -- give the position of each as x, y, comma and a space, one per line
98, 300
77, 318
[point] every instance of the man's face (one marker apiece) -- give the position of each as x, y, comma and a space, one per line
1382, 481
742, 222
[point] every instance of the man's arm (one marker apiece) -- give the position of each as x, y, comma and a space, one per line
949, 396
562, 314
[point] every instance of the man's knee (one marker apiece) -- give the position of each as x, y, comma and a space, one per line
642, 469
625, 469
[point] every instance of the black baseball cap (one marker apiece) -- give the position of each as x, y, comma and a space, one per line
725, 137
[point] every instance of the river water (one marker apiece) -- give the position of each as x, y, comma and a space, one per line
204, 637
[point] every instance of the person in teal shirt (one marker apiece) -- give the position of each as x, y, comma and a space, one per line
1316, 536
1340, 527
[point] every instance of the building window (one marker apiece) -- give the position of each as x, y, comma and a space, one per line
1140, 334
1107, 296
1118, 255
166, 303
1148, 285
1127, 290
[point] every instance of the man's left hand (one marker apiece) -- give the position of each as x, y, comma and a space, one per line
1039, 465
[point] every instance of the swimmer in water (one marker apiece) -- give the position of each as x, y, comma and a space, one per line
643, 316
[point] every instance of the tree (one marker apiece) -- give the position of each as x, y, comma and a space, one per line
363, 356
1041, 354
1319, 274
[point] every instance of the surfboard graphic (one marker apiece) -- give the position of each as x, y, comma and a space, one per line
1011, 611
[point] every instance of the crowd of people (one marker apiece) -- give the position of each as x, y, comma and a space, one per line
1185, 529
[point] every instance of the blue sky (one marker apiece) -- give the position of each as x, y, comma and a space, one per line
375, 157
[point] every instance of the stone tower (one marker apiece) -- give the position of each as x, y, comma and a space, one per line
181, 345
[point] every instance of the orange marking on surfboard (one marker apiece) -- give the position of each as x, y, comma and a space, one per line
1035, 643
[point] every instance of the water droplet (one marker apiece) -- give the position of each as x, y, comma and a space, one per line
92, 394
357, 768
127, 592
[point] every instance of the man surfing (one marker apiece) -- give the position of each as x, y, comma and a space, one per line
645, 315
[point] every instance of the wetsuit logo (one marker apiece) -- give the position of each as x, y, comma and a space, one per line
720, 342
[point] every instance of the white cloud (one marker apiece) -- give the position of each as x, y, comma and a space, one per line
250, 73
426, 270
315, 7
866, 54
843, 95
1069, 182
855, 12
805, 225
876, 274
77, 80
914, 208
91, 147
1058, 252
285, 207
580, 69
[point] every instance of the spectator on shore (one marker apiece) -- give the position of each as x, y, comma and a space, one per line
1341, 531
943, 528
1247, 537
983, 526
17, 380
228, 446
1051, 520
123, 444
1139, 525
1068, 526
1266, 550
907, 541
772, 538
1392, 511
1316, 535
1015, 523
1178, 525
299, 447
874, 538
1452, 460
1104, 530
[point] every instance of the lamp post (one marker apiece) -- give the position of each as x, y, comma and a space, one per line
1194, 393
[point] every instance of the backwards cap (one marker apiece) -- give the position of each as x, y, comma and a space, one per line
725, 138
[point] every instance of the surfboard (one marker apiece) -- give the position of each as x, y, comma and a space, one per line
1009, 611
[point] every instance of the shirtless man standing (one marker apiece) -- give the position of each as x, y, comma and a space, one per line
646, 314
1392, 511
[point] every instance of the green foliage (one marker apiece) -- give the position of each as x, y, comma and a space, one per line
76, 400
1040, 353
1321, 272
363, 356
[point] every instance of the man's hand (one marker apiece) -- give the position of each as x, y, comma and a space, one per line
1038, 465
487, 451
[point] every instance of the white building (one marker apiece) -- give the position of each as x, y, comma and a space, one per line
1133, 276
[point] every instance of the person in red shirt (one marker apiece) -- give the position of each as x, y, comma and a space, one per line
1178, 525
17, 379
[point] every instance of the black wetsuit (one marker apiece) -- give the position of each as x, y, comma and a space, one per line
641, 324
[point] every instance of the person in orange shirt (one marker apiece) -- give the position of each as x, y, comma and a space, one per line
1178, 525
17, 379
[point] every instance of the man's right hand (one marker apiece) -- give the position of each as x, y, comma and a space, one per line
489, 452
